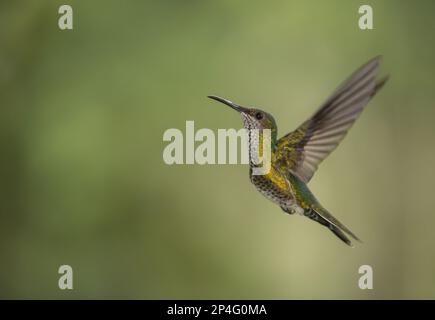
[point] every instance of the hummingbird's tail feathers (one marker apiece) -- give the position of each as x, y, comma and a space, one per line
322, 216
340, 235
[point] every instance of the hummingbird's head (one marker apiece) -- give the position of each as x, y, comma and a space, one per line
252, 118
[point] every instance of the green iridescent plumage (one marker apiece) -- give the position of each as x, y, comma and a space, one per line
296, 156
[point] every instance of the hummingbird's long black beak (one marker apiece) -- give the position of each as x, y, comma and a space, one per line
228, 103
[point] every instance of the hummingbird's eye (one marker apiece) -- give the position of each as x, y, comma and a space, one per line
259, 115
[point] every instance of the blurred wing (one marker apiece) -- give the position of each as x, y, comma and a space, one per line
302, 150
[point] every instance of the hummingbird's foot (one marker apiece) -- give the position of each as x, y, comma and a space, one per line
287, 210
292, 209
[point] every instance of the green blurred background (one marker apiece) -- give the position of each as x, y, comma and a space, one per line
83, 181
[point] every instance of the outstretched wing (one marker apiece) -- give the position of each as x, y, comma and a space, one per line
302, 150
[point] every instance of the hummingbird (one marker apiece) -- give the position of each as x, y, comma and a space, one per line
296, 156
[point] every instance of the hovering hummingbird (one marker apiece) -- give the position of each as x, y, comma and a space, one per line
296, 156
